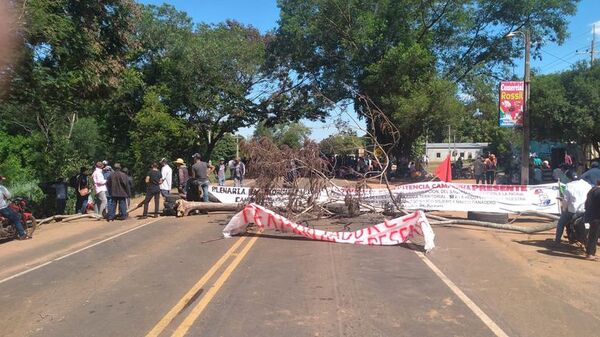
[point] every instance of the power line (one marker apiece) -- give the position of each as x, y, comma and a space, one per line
557, 57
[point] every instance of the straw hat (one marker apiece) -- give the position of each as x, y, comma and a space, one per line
179, 161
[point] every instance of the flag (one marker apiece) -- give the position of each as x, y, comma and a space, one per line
444, 171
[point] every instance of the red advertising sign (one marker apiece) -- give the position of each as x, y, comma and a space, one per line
511, 104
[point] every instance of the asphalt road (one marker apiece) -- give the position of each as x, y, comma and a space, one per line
175, 277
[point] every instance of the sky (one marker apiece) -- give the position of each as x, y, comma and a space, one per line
263, 14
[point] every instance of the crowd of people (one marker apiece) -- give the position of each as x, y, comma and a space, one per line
108, 188
484, 169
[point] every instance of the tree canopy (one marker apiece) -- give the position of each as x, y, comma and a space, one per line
409, 57
565, 106
117, 80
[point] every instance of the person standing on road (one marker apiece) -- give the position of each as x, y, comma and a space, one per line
60, 193
10, 214
221, 172
479, 170
592, 216
200, 172
153, 181
182, 175
100, 187
490, 169
167, 177
82, 191
107, 170
130, 183
239, 170
118, 186
572, 203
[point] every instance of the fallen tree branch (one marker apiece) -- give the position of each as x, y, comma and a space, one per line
522, 229
185, 207
68, 218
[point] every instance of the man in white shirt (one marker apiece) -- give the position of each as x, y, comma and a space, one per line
167, 176
100, 187
572, 204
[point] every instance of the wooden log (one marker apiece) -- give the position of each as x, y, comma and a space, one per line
185, 207
522, 229
67, 218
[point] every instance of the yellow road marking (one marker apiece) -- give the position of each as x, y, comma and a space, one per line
168, 318
183, 328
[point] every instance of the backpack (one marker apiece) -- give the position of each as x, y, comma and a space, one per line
74, 181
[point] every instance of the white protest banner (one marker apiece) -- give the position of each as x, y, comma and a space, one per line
388, 233
434, 196
442, 196
229, 194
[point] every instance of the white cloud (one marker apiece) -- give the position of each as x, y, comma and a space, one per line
596, 28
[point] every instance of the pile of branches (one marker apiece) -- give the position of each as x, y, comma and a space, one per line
298, 174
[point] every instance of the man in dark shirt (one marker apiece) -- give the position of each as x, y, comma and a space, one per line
153, 180
200, 172
592, 216
119, 189
592, 175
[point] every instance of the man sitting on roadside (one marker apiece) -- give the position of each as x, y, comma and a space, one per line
9, 213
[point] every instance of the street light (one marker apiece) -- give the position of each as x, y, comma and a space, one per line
526, 80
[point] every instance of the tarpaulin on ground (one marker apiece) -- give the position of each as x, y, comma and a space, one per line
435, 196
388, 233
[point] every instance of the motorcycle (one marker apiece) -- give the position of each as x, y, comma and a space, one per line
8, 229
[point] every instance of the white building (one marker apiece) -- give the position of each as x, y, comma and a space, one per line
439, 151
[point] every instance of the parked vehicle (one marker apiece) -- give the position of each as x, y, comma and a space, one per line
8, 229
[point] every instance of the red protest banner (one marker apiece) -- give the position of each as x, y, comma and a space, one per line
511, 104
390, 232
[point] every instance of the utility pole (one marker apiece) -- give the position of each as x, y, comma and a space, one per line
237, 146
592, 51
449, 153
526, 81
526, 119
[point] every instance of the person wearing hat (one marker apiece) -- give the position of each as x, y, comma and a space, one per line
221, 172
118, 187
167, 175
182, 175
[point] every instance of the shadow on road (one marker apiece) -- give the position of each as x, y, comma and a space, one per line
408, 245
562, 250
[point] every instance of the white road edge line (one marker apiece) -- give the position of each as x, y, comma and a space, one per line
75, 252
476, 310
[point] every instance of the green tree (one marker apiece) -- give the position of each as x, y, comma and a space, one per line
292, 135
343, 143
219, 77
225, 148
564, 106
72, 55
155, 133
409, 57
